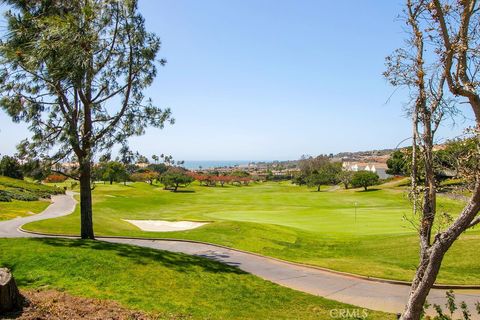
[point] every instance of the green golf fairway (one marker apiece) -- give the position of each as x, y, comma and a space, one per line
347, 230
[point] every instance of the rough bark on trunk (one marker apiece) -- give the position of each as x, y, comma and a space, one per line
86, 215
10, 298
432, 257
424, 279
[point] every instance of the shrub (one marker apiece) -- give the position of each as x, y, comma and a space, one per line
21, 195
42, 190
55, 178
452, 306
4, 196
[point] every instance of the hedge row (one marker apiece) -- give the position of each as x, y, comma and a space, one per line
41, 190
9, 195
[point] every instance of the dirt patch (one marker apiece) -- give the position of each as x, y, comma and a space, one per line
55, 305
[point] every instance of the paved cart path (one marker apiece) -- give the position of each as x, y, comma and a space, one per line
364, 293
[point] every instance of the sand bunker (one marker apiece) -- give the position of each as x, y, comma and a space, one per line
160, 225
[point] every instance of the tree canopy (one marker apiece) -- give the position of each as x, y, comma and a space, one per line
10, 167
364, 179
173, 178
75, 71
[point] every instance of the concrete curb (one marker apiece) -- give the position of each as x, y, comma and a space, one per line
345, 274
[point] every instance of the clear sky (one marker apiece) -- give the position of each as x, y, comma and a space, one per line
270, 79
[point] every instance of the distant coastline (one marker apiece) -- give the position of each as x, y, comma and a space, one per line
210, 164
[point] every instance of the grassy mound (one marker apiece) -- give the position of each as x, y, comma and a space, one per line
170, 285
26, 191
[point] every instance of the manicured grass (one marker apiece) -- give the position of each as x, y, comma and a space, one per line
286, 221
10, 210
14, 209
175, 286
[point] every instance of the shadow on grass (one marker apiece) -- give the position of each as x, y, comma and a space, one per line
369, 190
183, 191
140, 255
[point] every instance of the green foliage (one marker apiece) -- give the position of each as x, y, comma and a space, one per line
317, 171
114, 171
76, 72
278, 177
10, 167
316, 180
5, 196
36, 169
364, 179
157, 167
240, 174
299, 179
83, 55
21, 195
144, 176
40, 190
398, 163
310, 165
174, 178
459, 158
345, 177
452, 306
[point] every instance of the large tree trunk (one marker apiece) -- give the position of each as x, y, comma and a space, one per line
86, 215
10, 298
431, 256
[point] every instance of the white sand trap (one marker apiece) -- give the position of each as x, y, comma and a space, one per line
160, 225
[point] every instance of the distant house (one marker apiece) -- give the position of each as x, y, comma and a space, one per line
142, 165
377, 167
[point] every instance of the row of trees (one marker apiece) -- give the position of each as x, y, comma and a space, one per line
212, 180
115, 171
11, 167
318, 171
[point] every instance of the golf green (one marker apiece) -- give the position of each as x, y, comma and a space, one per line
367, 233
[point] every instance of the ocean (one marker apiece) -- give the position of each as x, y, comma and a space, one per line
210, 164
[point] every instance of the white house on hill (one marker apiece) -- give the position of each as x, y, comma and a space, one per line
379, 168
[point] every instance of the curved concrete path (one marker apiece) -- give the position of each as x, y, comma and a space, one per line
62, 205
360, 292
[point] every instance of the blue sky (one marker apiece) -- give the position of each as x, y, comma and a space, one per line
270, 79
